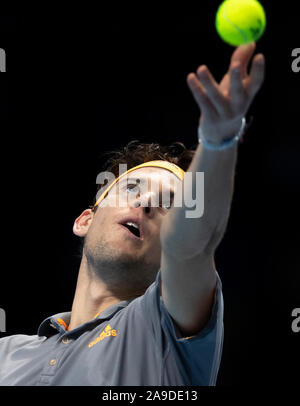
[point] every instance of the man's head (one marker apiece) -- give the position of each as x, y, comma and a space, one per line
124, 257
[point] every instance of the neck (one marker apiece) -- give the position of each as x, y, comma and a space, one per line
91, 297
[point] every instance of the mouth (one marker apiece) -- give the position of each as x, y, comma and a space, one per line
133, 227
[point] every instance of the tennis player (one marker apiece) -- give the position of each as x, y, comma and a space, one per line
148, 306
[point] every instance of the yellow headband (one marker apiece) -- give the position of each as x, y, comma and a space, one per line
159, 164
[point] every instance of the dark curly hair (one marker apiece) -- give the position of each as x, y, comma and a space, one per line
136, 153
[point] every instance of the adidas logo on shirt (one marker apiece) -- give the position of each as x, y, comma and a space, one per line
107, 332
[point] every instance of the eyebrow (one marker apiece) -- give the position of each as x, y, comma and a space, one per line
141, 181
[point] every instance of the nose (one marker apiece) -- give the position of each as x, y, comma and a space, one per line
144, 202
147, 209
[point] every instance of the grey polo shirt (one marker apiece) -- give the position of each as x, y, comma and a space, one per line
132, 343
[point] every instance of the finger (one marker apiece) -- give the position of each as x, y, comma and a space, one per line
257, 75
237, 91
243, 54
225, 84
201, 96
212, 89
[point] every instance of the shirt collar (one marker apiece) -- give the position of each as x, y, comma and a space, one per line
58, 323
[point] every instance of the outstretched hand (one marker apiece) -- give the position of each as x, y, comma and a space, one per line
224, 104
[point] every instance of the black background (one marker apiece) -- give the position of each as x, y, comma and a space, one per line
82, 82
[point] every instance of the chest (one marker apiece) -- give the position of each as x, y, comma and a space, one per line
107, 355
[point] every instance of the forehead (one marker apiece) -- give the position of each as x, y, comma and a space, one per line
154, 175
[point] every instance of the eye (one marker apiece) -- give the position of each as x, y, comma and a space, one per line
166, 206
132, 187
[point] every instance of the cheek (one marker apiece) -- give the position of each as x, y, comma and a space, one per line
99, 226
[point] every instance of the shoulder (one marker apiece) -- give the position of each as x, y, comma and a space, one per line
19, 340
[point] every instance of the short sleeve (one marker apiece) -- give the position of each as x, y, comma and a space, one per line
198, 357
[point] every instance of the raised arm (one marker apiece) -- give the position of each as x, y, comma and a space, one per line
188, 244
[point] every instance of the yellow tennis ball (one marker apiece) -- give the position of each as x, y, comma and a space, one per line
240, 21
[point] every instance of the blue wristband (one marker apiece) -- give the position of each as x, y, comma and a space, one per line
225, 143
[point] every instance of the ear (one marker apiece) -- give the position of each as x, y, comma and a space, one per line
82, 223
